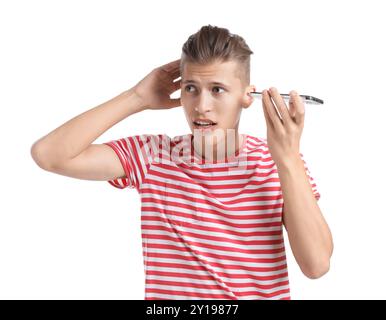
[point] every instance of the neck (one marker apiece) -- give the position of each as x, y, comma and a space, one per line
216, 147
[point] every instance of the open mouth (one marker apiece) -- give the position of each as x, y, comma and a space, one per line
204, 124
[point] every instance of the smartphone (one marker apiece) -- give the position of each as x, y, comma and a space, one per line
306, 98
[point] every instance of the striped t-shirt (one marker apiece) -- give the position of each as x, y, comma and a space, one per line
209, 230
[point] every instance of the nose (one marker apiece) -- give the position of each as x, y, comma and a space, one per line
204, 104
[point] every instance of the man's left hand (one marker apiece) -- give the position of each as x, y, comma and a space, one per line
283, 134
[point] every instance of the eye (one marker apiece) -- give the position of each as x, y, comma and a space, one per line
188, 87
218, 88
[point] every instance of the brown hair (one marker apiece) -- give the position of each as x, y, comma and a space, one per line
211, 44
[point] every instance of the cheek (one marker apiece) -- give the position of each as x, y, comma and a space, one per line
186, 111
186, 102
230, 117
231, 112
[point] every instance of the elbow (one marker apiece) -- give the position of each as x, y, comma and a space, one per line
317, 270
38, 154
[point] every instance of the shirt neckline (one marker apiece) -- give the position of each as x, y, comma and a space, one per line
238, 156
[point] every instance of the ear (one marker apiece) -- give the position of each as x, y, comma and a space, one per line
248, 99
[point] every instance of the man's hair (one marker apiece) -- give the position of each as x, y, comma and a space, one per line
211, 44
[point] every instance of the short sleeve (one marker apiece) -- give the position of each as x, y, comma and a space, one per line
313, 184
136, 154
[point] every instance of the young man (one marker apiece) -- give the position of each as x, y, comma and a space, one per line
213, 202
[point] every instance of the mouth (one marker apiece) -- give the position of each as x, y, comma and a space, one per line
207, 124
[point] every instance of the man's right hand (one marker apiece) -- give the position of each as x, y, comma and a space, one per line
155, 89
69, 149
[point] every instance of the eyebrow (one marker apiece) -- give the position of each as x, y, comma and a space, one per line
213, 82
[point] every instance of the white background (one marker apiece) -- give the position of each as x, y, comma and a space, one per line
65, 238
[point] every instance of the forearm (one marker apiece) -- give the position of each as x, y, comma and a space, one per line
74, 136
308, 233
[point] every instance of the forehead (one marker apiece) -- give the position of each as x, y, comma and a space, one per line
214, 73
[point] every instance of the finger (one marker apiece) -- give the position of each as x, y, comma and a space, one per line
175, 102
281, 105
177, 85
173, 74
266, 115
171, 66
291, 107
298, 107
271, 110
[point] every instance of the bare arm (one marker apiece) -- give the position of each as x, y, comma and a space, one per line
73, 137
68, 150
308, 233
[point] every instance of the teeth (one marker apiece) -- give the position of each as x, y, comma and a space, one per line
203, 123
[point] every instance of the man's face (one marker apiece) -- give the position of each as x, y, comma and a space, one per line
213, 92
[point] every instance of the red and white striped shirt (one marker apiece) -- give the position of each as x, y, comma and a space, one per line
209, 231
